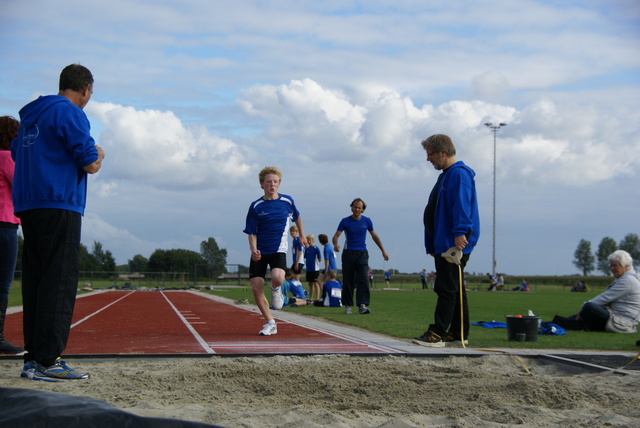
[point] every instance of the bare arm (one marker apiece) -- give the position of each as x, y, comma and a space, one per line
92, 168
334, 241
253, 246
303, 237
378, 242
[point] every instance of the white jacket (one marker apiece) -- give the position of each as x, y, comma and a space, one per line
622, 296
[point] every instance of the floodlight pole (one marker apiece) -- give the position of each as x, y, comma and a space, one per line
495, 129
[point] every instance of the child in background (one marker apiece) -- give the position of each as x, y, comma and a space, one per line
312, 259
297, 251
332, 291
329, 257
298, 296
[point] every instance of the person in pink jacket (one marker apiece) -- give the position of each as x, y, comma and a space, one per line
8, 225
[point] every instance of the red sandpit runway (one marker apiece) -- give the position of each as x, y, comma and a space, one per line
184, 322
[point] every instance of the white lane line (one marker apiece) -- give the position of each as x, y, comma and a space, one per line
100, 310
195, 334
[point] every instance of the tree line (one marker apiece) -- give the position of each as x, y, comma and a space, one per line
210, 262
587, 261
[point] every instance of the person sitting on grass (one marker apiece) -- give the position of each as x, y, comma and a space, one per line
617, 309
522, 287
293, 287
331, 291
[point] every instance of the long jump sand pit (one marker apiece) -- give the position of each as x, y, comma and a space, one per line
354, 391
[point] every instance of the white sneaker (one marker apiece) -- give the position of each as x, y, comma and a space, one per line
277, 300
269, 329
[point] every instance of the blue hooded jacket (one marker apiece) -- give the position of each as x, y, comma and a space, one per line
456, 210
52, 148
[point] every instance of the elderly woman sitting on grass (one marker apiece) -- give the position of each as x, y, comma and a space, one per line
617, 309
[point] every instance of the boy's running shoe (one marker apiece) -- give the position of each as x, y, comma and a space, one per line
430, 339
347, 310
277, 299
58, 372
269, 329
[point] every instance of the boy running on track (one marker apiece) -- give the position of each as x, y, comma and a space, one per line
267, 225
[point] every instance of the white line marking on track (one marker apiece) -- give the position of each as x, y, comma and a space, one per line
195, 334
100, 310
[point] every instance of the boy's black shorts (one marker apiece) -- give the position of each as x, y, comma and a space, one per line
259, 268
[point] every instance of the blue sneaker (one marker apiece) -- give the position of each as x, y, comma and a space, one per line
29, 369
58, 372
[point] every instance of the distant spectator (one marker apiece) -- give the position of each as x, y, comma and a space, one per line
432, 280
524, 286
579, 287
492, 282
423, 279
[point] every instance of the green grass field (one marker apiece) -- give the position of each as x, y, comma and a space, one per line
406, 313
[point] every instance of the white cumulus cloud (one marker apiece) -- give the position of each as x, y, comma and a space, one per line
157, 148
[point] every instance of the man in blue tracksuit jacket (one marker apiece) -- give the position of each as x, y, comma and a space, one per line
451, 220
54, 152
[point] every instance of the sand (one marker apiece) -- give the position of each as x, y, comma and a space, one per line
347, 391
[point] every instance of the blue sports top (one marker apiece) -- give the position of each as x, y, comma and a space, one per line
296, 247
52, 148
356, 231
332, 294
311, 256
269, 220
331, 257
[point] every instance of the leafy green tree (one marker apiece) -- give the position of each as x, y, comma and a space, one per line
215, 257
177, 260
139, 263
631, 244
607, 246
87, 262
583, 258
159, 261
105, 259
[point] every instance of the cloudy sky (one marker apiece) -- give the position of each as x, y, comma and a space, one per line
193, 97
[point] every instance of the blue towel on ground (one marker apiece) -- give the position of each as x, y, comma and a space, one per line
552, 329
491, 324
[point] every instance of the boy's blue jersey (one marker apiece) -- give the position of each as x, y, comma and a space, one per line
330, 255
356, 232
269, 220
332, 294
295, 288
296, 247
311, 258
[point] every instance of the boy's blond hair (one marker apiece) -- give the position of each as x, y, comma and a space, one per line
269, 170
310, 236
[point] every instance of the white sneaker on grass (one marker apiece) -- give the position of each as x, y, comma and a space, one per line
269, 329
277, 299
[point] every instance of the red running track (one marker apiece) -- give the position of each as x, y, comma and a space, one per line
183, 322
